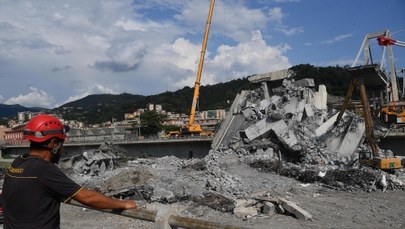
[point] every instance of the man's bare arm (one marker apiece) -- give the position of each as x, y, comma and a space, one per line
98, 200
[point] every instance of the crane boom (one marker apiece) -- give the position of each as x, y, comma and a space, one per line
191, 126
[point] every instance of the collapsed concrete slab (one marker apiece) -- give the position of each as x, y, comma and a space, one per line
263, 127
293, 125
271, 76
352, 138
280, 128
94, 162
327, 126
294, 209
306, 82
321, 98
245, 212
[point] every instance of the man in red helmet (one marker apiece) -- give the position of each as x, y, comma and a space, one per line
34, 186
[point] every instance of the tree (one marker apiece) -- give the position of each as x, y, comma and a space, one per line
151, 123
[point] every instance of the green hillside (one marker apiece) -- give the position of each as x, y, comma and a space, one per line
105, 107
101, 108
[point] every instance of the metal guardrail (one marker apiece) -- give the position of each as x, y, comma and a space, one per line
125, 141
173, 220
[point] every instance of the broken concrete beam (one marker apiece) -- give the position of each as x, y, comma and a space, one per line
245, 203
291, 106
289, 139
321, 98
306, 82
264, 105
264, 198
275, 99
327, 126
279, 209
237, 102
248, 113
266, 90
236, 107
271, 76
308, 110
300, 111
269, 208
264, 126
352, 138
280, 128
294, 209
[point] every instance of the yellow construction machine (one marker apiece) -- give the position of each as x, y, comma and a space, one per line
373, 158
192, 128
394, 113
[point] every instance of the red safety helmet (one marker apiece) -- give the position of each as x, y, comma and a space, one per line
43, 127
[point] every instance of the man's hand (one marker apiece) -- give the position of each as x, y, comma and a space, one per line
130, 204
98, 200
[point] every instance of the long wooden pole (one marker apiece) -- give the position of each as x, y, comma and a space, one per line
174, 221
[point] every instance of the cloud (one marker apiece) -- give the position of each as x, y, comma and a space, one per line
123, 57
276, 15
233, 19
290, 31
139, 47
96, 89
34, 98
248, 58
56, 69
283, 1
337, 39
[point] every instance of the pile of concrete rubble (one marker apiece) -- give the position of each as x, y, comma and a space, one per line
283, 127
293, 133
94, 162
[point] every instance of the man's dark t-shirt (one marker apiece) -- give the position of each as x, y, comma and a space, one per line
32, 191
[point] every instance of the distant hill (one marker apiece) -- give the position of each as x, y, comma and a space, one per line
105, 107
101, 108
7, 111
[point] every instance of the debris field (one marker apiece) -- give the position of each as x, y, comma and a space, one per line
278, 160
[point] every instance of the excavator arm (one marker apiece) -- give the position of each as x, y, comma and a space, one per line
377, 160
358, 83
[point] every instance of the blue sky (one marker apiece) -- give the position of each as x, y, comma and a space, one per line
53, 52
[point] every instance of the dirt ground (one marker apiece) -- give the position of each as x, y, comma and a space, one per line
329, 208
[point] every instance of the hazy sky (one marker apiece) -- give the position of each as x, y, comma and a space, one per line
53, 52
